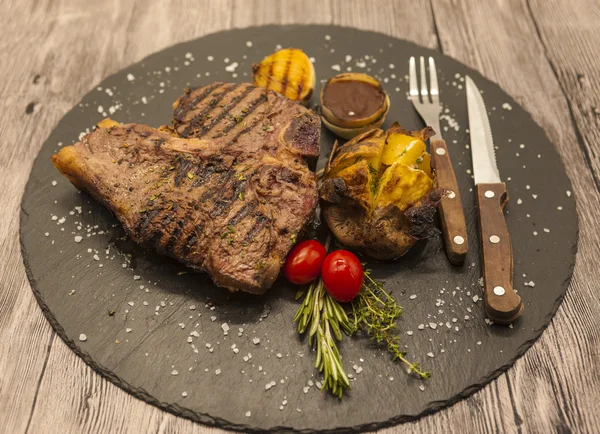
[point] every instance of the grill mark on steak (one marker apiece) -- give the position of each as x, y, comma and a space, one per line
212, 105
260, 222
242, 132
235, 102
145, 221
246, 113
183, 107
242, 213
223, 204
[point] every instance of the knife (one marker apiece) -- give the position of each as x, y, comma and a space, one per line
502, 304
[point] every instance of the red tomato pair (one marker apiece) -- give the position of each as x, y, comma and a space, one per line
341, 271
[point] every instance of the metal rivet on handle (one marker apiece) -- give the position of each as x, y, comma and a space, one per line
495, 239
440, 151
451, 194
489, 194
459, 240
498, 290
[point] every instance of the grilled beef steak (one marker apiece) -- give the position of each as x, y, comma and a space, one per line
229, 202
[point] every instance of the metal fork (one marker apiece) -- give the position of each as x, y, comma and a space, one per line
427, 103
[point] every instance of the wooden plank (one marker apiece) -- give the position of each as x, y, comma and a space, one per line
509, 51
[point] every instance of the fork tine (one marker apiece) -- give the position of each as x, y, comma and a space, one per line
412, 73
424, 92
433, 81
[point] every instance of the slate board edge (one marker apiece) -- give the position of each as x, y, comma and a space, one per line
224, 424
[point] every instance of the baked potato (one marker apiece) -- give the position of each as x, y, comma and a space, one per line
378, 192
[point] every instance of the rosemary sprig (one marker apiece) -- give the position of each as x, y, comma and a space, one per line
325, 319
376, 311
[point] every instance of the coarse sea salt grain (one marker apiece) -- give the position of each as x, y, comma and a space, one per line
174, 372
184, 394
248, 413
82, 337
78, 239
256, 341
336, 67
130, 77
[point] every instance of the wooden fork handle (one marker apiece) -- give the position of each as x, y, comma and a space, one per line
502, 304
451, 211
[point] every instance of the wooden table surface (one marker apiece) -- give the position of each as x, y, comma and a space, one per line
545, 53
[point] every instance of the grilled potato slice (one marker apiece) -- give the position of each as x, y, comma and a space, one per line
378, 193
289, 72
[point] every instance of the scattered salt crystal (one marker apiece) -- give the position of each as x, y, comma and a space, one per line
506, 106
336, 67
357, 369
96, 257
136, 277
535, 196
519, 201
225, 327
421, 326
213, 318
430, 354
248, 414
527, 186
412, 297
547, 230
433, 325
189, 340
130, 77
217, 371
532, 284
256, 341
535, 233
130, 303
478, 342
82, 337
279, 356
48, 234
422, 388
163, 304
195, 334
475, 298
232, 67
568, 193
392, 66
77, 238
327, 37
174, 372
409, 333
184, 394
127, 330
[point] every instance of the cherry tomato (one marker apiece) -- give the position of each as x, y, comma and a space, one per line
342, 275
304, 262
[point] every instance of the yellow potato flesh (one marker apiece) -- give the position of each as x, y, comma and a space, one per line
402, 186
380, 171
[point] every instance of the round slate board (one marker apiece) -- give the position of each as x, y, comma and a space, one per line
167, 334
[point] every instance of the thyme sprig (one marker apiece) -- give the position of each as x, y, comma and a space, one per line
376, 311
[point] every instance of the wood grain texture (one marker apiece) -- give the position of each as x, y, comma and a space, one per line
543, 52
506, 306
452, 215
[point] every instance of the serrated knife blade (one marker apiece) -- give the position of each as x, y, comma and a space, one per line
485, 168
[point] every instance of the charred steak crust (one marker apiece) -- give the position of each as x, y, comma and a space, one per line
229, 198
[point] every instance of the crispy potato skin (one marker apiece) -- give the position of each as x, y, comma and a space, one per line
383, 231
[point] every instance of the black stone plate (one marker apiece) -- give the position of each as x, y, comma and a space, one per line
143, 343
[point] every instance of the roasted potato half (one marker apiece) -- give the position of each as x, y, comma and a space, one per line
378, 192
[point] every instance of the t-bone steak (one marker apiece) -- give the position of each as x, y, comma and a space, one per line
225, 190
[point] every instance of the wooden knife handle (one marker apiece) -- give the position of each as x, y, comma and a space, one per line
502, 304
451, 211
